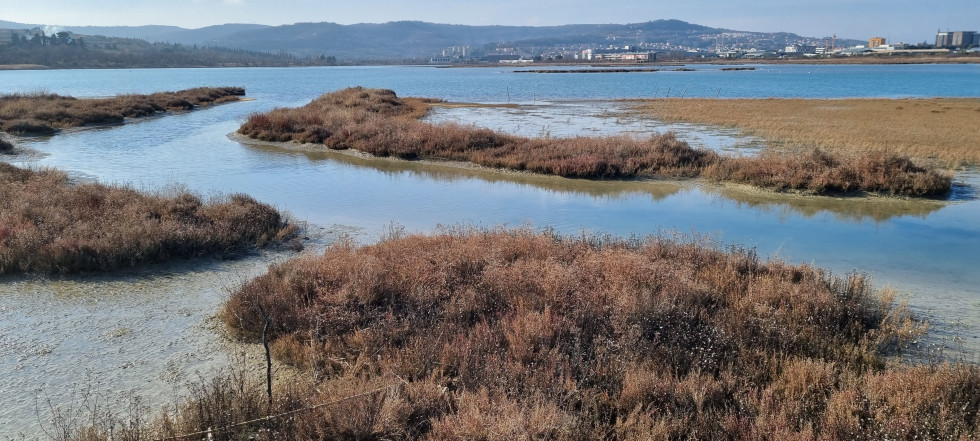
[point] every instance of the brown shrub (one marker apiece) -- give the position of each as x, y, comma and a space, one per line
529, 333
48, 225
376, 121
40, 114
818, 171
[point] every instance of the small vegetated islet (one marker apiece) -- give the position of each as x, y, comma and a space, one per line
378, 122
44, 113
50, 225
516, 334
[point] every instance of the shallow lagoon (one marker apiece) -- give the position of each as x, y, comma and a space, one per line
57, 334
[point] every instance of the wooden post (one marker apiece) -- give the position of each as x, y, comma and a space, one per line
268, 357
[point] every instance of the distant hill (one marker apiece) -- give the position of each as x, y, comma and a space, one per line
141, 32
406, 39
36, 48
415, 39
151, 33
203, 36
409, 39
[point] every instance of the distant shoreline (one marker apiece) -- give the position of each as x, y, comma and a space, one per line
855, 60
863, 60
43, 67
23, 67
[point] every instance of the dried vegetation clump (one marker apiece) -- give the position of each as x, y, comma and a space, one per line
48, 225
818, 171
512, 334
376, 121
43, 113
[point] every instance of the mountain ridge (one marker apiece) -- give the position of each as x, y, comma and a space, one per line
418, 39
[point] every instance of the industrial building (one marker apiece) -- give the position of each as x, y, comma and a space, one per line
957, 38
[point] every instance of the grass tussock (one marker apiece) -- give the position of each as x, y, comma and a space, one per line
512, 334
378, 122
48, 225
935, 128
43, 113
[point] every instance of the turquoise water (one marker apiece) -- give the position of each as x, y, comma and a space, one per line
927, 250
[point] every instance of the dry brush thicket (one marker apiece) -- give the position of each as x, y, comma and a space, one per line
380, 123
49, 225
513, 334
44, 113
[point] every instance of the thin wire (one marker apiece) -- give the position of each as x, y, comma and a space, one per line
279, 415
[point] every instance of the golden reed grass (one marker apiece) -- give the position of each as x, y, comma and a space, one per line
376, 121
41, 113
514, 334
943, 129
48, 225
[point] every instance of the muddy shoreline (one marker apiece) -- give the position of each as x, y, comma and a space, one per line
146, 332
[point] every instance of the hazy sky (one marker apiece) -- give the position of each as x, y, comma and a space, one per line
898, 20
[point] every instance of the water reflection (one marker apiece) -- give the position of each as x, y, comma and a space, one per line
453, 172
855, 210
783, 205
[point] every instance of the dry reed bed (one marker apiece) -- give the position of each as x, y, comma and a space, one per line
938, 128
48, 225
513, 334
380, 123
41, 113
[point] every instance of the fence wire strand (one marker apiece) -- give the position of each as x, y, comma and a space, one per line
212, 431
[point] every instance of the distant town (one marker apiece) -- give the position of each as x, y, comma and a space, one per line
732, 45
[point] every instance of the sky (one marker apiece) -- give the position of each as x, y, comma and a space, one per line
910, 21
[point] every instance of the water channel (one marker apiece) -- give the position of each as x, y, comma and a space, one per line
154, 328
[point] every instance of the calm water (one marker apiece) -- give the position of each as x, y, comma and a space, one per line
54, 334
298, 86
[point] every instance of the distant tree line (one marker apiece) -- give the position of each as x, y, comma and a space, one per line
40, 39
63, 50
